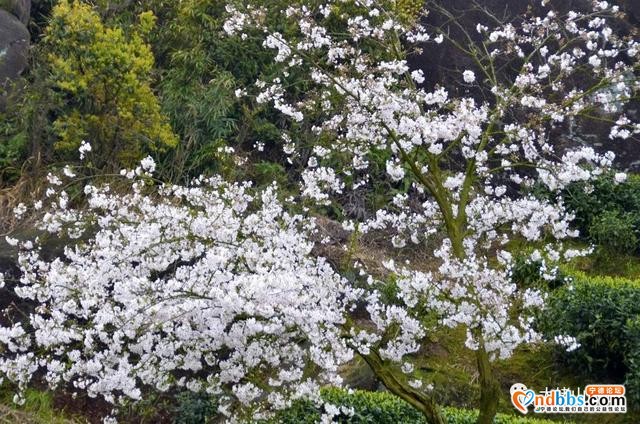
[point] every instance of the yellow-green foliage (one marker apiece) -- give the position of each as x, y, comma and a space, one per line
409, 9
104, 76
605, 281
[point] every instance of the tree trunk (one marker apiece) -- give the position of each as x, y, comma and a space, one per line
419, 400
489, 388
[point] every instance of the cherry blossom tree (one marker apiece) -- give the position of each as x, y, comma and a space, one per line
205, 287
473, 159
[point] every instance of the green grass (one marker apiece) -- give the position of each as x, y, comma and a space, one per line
38, 408
608, 264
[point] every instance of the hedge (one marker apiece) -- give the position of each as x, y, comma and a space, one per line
607, 212
383, 408
603, 314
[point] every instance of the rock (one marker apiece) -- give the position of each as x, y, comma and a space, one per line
14, 49
444, 58
632, 7
358, 375
332, 229
443, 64
19, 8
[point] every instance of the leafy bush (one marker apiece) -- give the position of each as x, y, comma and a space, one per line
201, 72
13, 146
102, 77
632, 381
409, 9
602, 313
607, 212
614, 231
382, 408
266, 173
526, 273
193, 408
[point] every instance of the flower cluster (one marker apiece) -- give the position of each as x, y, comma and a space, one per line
204, 287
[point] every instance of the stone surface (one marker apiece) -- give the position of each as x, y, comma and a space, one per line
14, 49
19, 8
632, 7
443, 65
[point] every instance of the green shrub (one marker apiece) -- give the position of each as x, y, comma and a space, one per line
382, 408
266, 173
614, 231
632, 381
13, 148
194, 408
604, 207
526, 273
465, 416
102, 76
201, 70
602, 313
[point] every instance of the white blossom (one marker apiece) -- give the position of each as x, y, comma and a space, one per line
468, 76
195, 286
84, 149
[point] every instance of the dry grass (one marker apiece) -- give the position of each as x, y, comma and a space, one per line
12, 416
9, 415
26, 190
370, 249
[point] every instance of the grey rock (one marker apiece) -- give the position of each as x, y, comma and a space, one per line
632, 7
14, 49
358, 375
19, 8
